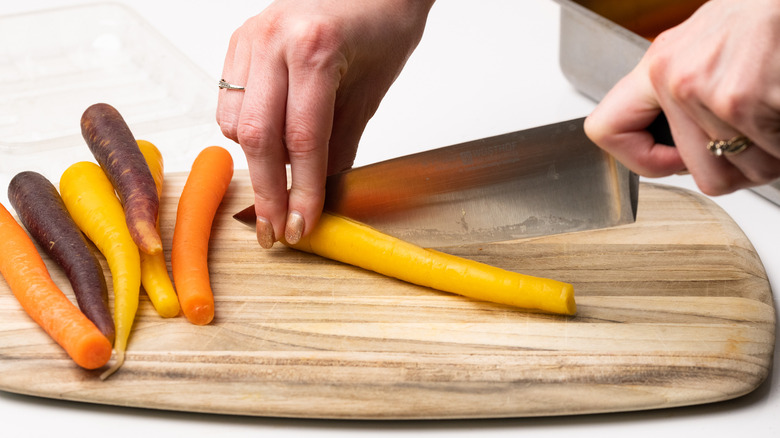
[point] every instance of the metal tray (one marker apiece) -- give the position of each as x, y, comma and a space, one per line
596, 51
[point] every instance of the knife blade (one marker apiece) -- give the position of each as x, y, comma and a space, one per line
539, 181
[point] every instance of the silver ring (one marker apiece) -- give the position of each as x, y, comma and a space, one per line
734, 146
227, 86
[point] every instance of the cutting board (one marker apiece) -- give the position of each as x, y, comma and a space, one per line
674, 310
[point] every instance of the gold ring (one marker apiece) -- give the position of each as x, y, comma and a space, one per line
734, 146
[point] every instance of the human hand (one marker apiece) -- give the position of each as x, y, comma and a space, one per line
715, 76
314, 74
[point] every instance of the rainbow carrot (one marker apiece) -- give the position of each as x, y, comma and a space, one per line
154, 272
203, 191
91, 201
40, 209
22, 267
114, 147
351, 242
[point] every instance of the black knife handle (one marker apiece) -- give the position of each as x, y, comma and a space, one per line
660, 130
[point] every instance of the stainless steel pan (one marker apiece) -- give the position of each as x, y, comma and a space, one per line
599, 44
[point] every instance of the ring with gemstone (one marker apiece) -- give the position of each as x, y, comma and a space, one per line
223, 84
734, 146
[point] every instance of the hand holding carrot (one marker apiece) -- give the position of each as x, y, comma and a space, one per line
315, 73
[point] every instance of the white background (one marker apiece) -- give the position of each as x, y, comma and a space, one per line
483, 68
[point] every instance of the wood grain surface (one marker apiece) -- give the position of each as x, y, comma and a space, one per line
674, 310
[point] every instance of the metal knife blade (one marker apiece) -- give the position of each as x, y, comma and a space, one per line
540, 181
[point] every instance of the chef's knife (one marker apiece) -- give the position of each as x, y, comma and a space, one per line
540, 181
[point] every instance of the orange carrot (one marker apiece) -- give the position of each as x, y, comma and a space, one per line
203, 191
24, 270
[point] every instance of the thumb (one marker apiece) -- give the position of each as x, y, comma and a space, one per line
619, 125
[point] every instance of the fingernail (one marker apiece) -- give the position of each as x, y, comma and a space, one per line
294, 228
265, 233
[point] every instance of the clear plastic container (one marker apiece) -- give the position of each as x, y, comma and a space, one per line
55, 63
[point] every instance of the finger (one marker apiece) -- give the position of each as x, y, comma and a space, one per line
756, 164
721, 174
234, 71
259, 131
712, 175
309, 123
349, 122
749, 167
619, 125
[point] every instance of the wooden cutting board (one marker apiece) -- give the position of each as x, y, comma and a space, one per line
674, 310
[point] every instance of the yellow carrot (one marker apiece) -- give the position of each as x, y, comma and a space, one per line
92, 202
357, 244
154, 272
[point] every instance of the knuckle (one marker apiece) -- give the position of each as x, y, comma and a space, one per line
594, 128
308, 193
228, 127
301, 140
679, 80
315, 33
249, 134
228, 132
714, 186
683, 85
658, 63
652, 171
731, 106
317, 45
255, 140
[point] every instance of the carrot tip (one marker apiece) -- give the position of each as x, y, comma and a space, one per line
567, 295
92, 351
151, 246
201, 314
170, 311
147, 237
120, 360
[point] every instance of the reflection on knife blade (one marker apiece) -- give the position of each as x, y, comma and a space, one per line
546, 180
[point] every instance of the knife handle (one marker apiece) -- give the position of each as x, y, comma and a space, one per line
660, 130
